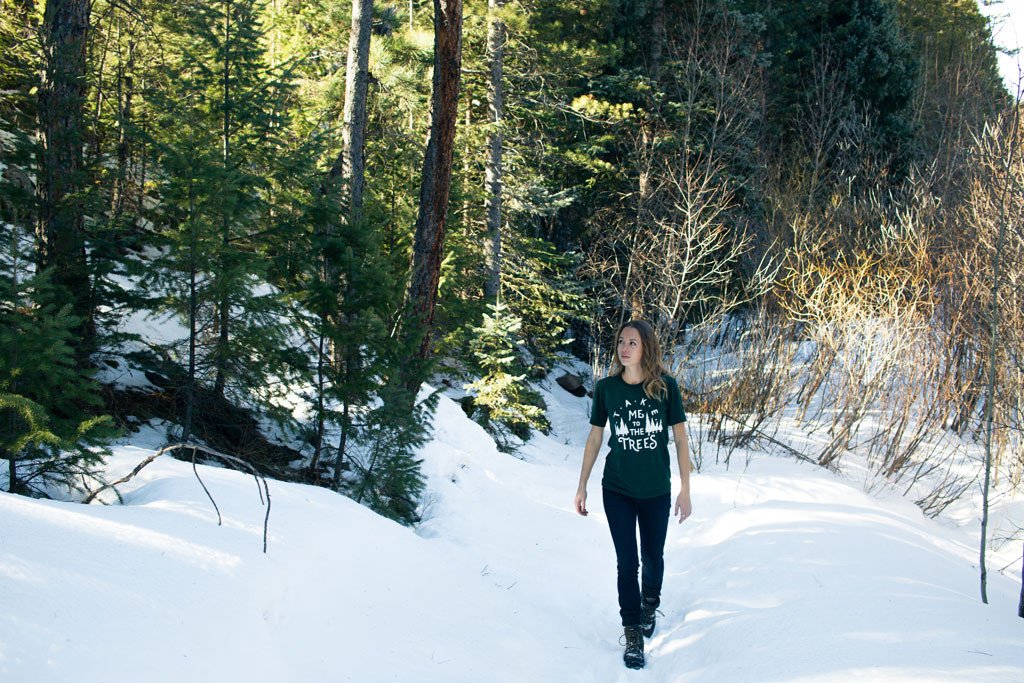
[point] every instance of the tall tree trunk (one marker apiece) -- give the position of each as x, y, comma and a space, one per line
1005, 170
125, 94
657, 38
349, 166
495, 144
60, 180
428, 243
353, 132
339, 461
1020, 603
321, 412
193, 310
224, 305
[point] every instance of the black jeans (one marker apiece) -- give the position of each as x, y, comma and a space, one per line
624, 515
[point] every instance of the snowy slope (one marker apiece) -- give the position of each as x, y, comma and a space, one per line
785, 573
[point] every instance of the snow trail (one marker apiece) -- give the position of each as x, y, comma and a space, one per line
784, 573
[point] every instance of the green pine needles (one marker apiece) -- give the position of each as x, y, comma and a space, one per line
50, 433
509, 407
218, 143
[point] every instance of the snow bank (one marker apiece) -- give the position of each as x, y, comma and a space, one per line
784, 573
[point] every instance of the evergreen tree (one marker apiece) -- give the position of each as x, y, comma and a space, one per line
357, 391
508, 406
126, 47
49, 431
388, 477
852, 50
958, 61
217, 137
19, 65
352, 339
347, 269
542, 288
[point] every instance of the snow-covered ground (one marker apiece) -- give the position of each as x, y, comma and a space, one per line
785, 573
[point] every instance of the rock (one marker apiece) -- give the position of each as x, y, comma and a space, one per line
573, 384
157, 380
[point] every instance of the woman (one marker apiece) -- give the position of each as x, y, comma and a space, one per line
643, 401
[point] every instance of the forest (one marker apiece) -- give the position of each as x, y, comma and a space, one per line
818, 205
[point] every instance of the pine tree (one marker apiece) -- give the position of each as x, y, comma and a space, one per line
388, 478
853, 49
508, 406
217, 137
50, 432
349, 328
19, 66
126, 45
345, 273
542, 288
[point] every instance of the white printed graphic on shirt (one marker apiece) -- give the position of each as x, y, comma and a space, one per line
636, 428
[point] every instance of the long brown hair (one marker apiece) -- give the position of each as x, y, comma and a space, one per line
651, 362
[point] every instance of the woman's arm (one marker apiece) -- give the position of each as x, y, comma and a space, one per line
590, 452
683, 506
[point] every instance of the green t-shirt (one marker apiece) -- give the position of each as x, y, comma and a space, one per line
637, 464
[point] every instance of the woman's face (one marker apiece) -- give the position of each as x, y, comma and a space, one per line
630, 348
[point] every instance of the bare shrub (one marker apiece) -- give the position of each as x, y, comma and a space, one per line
673, 249
996, 200
864, 314
741, 377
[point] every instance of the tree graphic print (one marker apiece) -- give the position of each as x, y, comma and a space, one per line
637, 424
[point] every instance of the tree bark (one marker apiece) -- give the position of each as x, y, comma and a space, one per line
1020, 603
60, 181
125, 95
339, 460
428, 243
321, 412
193, 309
990, 398
657, 38
495, 144
220, 360
353, 132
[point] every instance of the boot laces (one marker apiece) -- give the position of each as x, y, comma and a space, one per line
631, 638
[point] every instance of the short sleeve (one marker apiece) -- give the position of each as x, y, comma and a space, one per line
674, 410
599, 410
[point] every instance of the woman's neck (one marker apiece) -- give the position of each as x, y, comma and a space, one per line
632, 375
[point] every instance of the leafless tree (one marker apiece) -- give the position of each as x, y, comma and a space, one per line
995, 204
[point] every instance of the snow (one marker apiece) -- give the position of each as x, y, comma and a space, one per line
785, 572
1006, 20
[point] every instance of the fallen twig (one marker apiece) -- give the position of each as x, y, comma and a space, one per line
209, 451
760, 433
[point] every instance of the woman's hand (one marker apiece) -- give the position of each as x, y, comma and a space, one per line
589, 458
581, 502
683, 507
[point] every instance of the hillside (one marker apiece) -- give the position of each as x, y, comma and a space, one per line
785, 573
